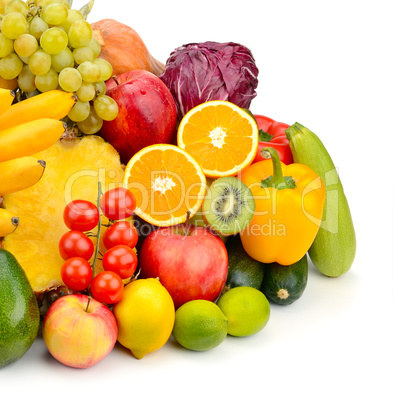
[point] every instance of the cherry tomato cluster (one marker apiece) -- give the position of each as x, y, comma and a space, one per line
76, 248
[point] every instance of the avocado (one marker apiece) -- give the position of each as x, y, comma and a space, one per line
19, 311
243, 270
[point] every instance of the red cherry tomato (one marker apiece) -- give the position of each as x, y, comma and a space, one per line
76, 273
118, 203
107, 287
75, 244
121, 232
81, 215
120, 259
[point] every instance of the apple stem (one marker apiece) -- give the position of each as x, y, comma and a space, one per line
99, 229
89, 301
115, 80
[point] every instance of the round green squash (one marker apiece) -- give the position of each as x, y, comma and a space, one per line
243, 270
285, 284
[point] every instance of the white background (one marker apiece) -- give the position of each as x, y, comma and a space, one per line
335, 67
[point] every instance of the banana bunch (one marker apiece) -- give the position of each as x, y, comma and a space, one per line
26, 128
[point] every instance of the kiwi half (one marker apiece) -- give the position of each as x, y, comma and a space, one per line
228, 206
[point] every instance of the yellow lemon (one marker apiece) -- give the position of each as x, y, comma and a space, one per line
145, 316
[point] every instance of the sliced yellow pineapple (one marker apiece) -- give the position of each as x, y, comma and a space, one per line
73, 169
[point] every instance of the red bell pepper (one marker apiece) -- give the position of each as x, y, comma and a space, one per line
272, 134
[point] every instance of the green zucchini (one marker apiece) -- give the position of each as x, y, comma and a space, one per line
334, 248
243, 270
284, 284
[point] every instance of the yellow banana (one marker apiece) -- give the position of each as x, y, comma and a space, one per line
29, 138
6, 99
18, 174
52, 105
8, 222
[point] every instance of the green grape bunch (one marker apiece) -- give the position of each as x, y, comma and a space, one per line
47, 45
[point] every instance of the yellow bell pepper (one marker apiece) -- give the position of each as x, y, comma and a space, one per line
289, 203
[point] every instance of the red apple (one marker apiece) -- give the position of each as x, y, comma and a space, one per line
147, 113
77, 333
190, 262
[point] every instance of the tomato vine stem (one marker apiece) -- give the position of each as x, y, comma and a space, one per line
98, 235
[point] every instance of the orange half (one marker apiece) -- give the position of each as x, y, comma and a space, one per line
167, 184
220, 136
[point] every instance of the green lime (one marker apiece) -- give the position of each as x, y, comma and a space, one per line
200, 325
247, 310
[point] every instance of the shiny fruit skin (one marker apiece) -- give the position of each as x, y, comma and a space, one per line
200, 325
52, 105
121, 232
247, 310
8, 222
190, 262
145, 316
75, 244
121, 260
147, 113
76, 273
20, 173
107, 287
28, 138
79, 334
81, 215
118, 203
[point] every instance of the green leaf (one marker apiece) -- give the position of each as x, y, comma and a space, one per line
85, 10
290, 183
249, 112
264, 136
